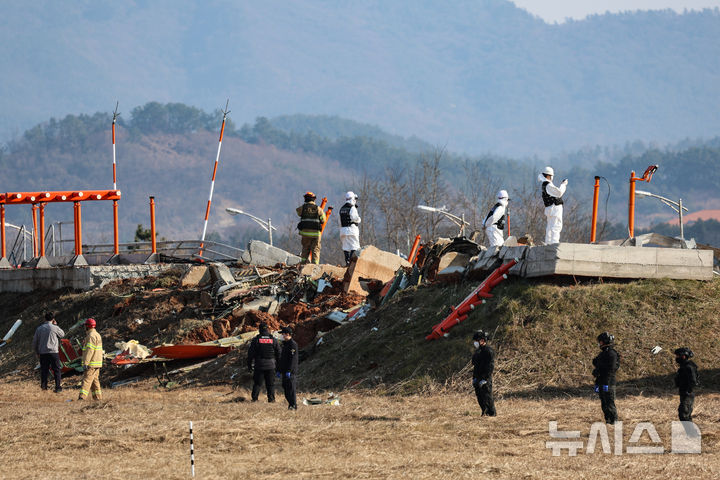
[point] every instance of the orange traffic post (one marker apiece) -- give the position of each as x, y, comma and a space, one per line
596, 193
414, 249
41, 233
116, 235
35, 230
152, 225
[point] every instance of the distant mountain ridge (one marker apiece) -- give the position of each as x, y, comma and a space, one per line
473, 75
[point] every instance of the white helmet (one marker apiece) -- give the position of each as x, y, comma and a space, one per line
350, 196
502, 194
548, 171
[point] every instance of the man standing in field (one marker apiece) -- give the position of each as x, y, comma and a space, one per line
288, 367
312, 218
483, 361
686, 380
349, 231
606, 365
92, 358
45, 345
264, 352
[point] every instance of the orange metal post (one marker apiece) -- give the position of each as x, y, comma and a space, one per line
414, 249
327, 217
323, 203
593, 227
75, 234
647, 176
116, 236
79, 227
152, 224
631, 206
35, 230
41, 236
2, 229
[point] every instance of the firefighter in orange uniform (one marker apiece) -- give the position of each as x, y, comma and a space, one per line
92, 358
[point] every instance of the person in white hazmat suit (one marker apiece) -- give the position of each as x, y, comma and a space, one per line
552, 199
494, 223
349, 230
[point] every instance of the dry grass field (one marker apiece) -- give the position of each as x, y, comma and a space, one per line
139, 432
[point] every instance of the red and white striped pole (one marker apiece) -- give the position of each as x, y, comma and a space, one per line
212, 182
116, 240
115, 115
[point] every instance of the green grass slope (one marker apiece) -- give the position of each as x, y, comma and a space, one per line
544, 335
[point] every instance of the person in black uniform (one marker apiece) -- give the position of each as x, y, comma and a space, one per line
606, 365
686, 380
288, 367
483, 361
264, 351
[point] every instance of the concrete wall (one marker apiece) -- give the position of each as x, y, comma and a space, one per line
617, 262
77, 278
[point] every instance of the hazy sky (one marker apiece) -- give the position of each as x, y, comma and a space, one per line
558, 10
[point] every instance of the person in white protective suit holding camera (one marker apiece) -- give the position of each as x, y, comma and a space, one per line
349, 230
552, 199
494, 223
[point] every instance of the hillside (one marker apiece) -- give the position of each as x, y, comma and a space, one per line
475, 75
544, 334
168, 150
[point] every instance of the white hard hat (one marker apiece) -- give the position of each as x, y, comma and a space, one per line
548, 171
350, 196
502, 194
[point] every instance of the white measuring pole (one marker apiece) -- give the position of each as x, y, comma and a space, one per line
192, 452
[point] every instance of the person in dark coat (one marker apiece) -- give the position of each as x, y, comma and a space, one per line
46, 344
264, 352
288, 367
606, 365
483, 361
686, 380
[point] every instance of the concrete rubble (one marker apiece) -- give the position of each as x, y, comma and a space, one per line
262, 254
372, 263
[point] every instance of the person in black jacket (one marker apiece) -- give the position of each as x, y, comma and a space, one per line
606, 365
686, 380
483, 361
265, 352
288, 367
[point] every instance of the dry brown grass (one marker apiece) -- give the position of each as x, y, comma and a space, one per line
139, 432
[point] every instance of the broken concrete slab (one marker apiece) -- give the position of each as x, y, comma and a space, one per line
265, 255
315, 272
221, 273
372, 263
453, 259
196, 276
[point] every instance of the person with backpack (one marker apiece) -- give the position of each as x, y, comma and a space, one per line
312, 219
494, 223
606, 366
552, 199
